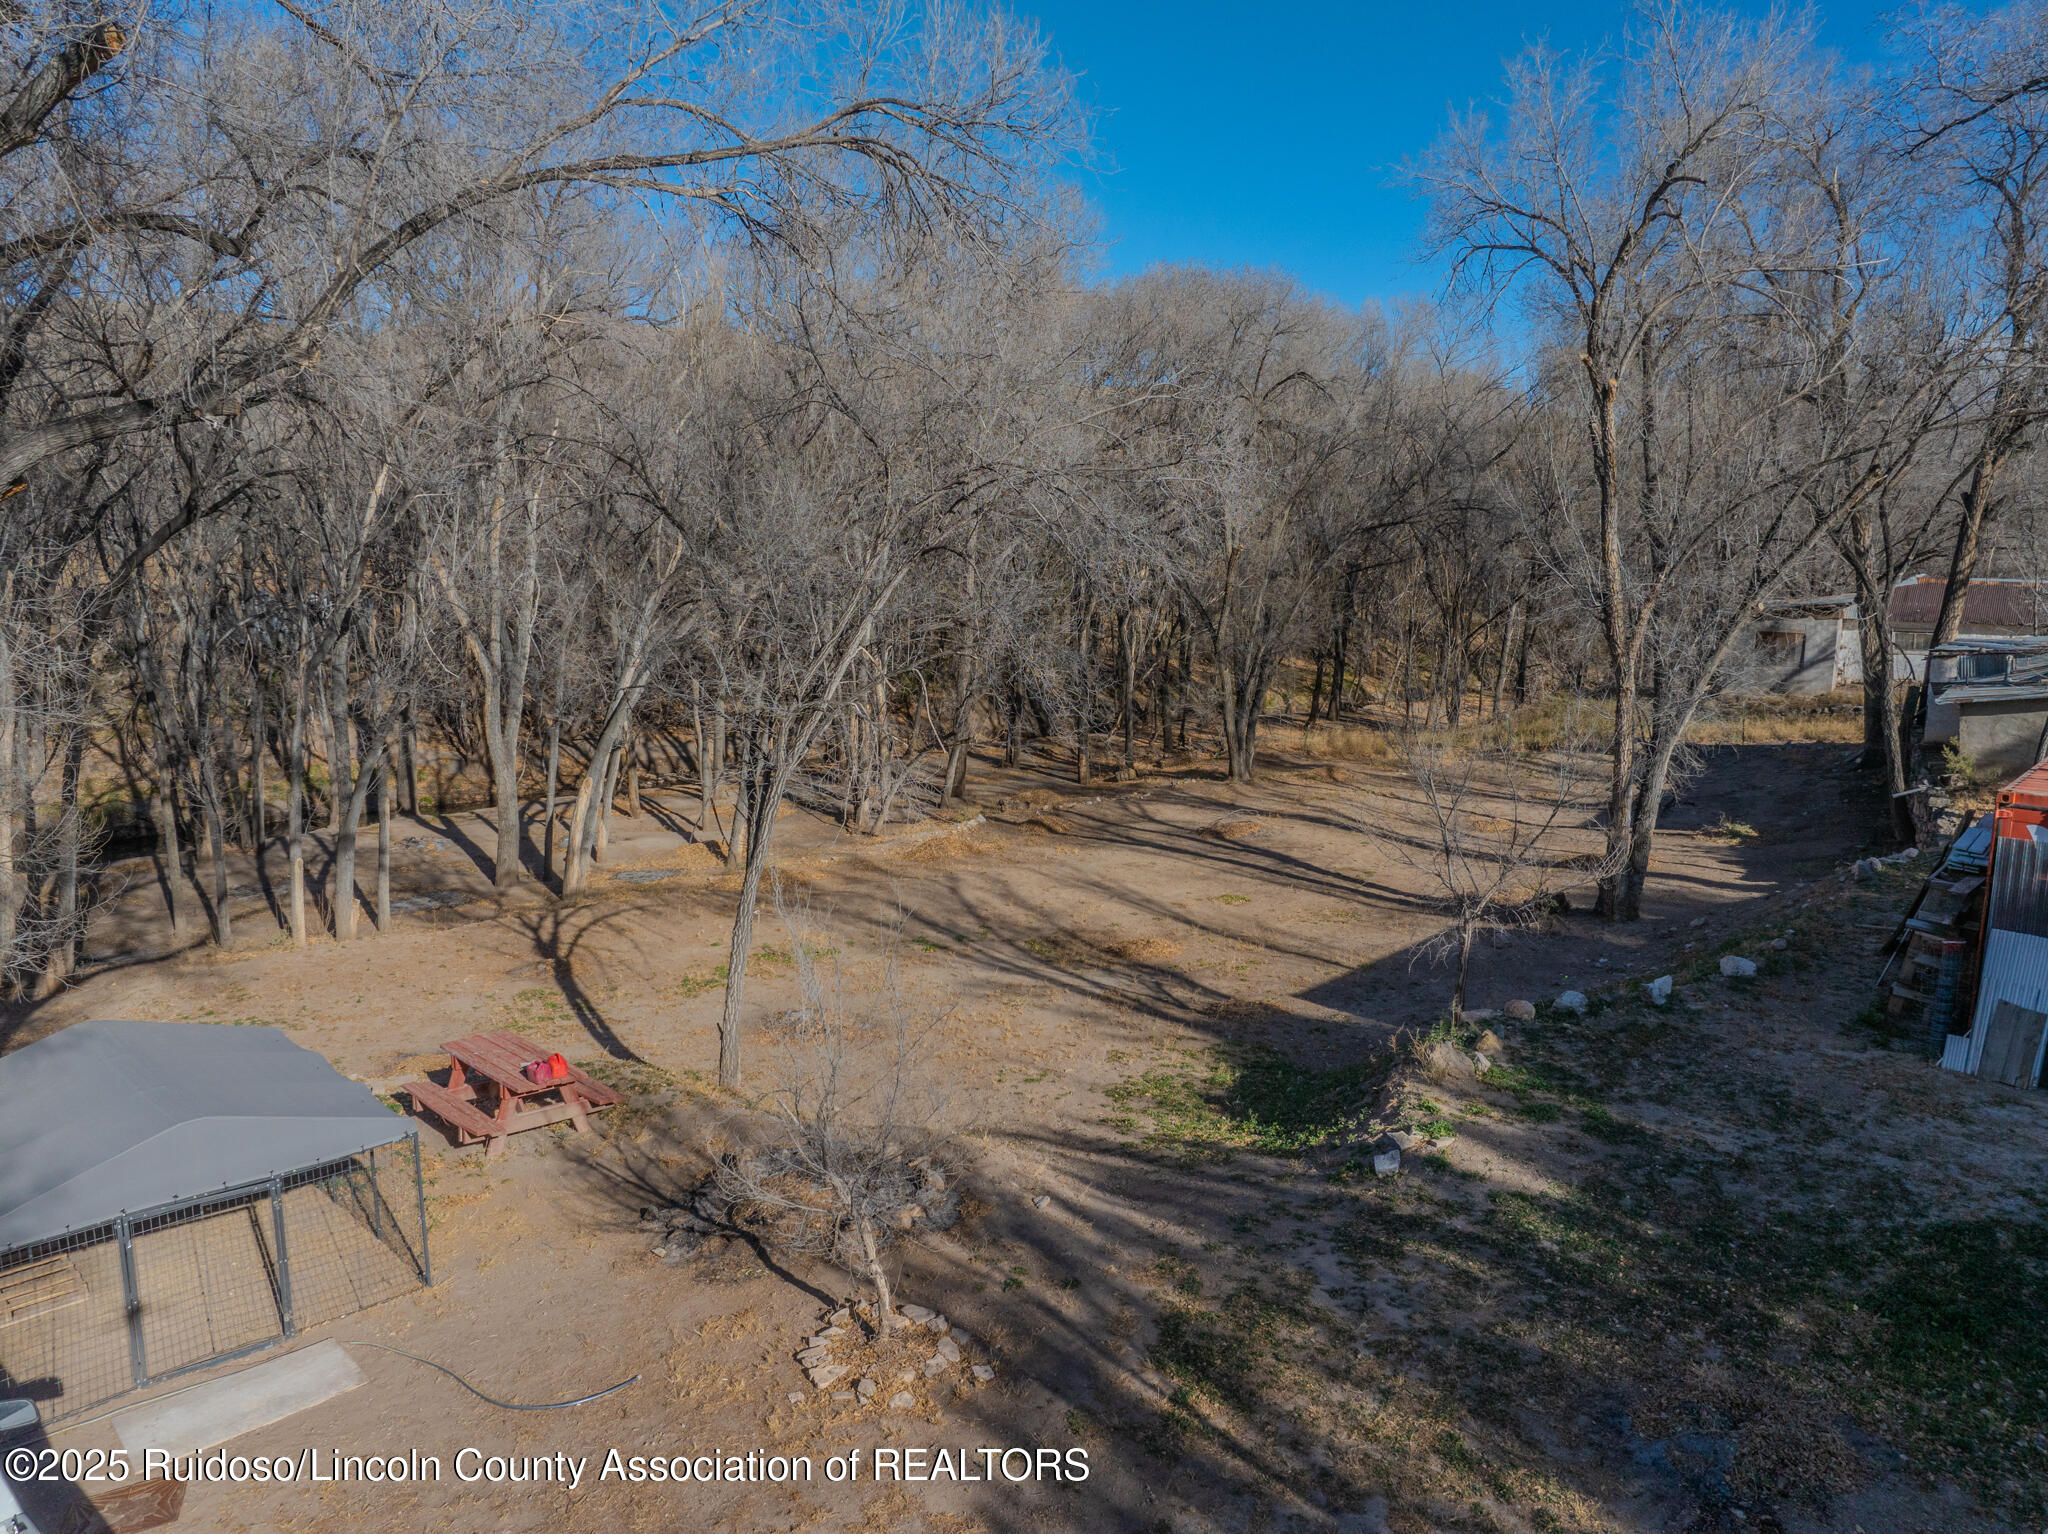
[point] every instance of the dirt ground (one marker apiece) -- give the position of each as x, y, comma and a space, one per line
1737, 1263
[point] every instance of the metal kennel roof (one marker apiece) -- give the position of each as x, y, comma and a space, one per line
111, 1117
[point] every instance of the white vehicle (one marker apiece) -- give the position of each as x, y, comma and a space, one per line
17, 1420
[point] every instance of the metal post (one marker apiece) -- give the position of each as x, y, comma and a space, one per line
284, 1258
376, 1199
138, 1360
419, 1183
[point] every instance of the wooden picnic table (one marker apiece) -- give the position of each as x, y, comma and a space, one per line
496, 1063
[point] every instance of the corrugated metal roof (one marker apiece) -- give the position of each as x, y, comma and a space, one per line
2010, 645
2005, 604
111, 1117
1996, 692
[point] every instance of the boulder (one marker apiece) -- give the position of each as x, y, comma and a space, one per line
866, 1388
1386, 1163
984, 1373
918, 1313
810, 1358
1779, 944
935, 1366
1405, 1140
1480, 1063
1478, 1015
825, 1374
1571, 1001
903, 1400
949, 1350
1488, 1043
1658, 990
1521, 1011
1445, 1059
1735, 967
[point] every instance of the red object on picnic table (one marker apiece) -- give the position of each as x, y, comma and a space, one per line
545, 1072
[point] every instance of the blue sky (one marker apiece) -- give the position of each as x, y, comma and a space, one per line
1266, 135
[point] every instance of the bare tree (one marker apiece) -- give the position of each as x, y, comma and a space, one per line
1495, 838
852, 1156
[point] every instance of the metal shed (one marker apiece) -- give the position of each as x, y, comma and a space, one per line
172, 1194
2009, 1024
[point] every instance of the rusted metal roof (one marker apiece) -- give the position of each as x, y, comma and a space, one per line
1995, 604
2027, 791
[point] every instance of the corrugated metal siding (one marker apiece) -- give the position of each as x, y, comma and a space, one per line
2015, 970
2019, 884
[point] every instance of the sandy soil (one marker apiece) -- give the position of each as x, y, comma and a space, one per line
1613, 1297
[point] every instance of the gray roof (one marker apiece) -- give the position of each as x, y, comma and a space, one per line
107, 1117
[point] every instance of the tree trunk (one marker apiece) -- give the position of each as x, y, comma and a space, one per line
259, 728
334, 727
760, 832
410, 736
345, 902
216, 848
505, 798
1466, 928
164, 811
885, 1309
1084, 691
1127, 660
63, 954
1341, 654
1962, 565
1315, 695
384, 806
1522, 662
601, 832
1507, 645
572, 859
295, 816
13, 884
554, 783
1620, 897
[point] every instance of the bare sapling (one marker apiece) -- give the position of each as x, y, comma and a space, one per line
849, 1159
1491, 827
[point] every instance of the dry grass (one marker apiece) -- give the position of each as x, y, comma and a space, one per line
964, 842
1834, 717
1235, 828
1347, 742
1077, 950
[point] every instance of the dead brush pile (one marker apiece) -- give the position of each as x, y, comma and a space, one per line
776, 1197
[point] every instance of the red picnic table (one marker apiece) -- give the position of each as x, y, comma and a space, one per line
500, 1059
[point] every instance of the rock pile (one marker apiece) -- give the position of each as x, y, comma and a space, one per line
848, 1350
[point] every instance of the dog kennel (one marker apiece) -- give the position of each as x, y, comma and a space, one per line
177, 1194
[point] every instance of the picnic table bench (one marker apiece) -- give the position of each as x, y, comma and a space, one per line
500, 1059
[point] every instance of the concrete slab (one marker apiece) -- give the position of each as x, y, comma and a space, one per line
204, 1415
